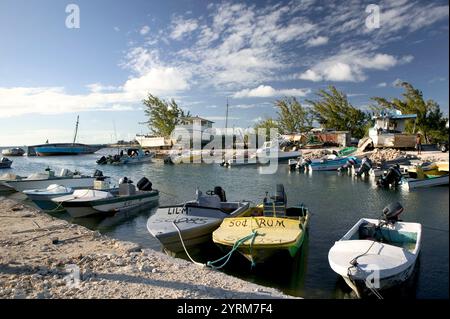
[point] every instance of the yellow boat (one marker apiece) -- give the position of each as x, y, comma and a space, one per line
265, 230
432, 169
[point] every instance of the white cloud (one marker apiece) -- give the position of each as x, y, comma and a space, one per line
144, 30
158, 80
310, 75
268, 91
382, 85
351, 65
181, 27
117, 29
314, 42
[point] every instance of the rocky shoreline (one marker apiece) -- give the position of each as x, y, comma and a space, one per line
45, 257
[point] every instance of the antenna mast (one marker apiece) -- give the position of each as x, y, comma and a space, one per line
76, 130
226, 118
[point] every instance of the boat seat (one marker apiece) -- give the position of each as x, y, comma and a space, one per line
274, 209
209, 201
127, 189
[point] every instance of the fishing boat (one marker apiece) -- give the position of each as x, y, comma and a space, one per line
87, 202
274, 151
192, 223
43, 198
54, 149
266, 230
377, 254
331, 163
130, 156
15, 151
188, 156
5, 162
44, 179
436, 175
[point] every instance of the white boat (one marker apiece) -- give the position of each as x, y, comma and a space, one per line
87, 202
45, 179
15, 151
271, 151
43, 197
377, 254
194, 221
434, 174
430, 181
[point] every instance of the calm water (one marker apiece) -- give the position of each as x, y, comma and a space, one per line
336, 202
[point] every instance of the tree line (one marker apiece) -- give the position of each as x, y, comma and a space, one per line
330, 108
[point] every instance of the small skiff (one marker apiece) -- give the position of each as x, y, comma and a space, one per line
86, 202
275, 228
194, 221
377, 254
43, 197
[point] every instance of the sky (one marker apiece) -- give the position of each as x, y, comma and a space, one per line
202, 53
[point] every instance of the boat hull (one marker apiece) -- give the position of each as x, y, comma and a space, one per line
76, 183
274, 235
63, 149
5, 165
110, 205
427, 182
195, 224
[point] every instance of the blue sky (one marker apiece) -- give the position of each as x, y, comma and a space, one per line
200, 53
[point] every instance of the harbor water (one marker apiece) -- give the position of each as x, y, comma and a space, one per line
335, 201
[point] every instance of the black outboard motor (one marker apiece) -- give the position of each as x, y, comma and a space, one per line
393, 177
350, 163
101, 160
392, 211
366, 165
144, 184
125, 180
280, 194
221, 193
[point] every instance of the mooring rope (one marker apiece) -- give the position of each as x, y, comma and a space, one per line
236, 245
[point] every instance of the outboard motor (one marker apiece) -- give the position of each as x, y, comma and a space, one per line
221, 193
351, 162
392, 211
280, 194
144, 184
98, 174
366, 165
101, 160
392, 177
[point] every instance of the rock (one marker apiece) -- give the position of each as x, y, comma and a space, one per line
146, 267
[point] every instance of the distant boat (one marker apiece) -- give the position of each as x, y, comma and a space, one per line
54, 149
43, 180
131, 156
16, 151
5, 163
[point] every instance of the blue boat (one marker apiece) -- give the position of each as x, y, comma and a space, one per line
73, 148
331, 163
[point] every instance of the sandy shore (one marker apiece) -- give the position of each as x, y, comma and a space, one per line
41, 255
